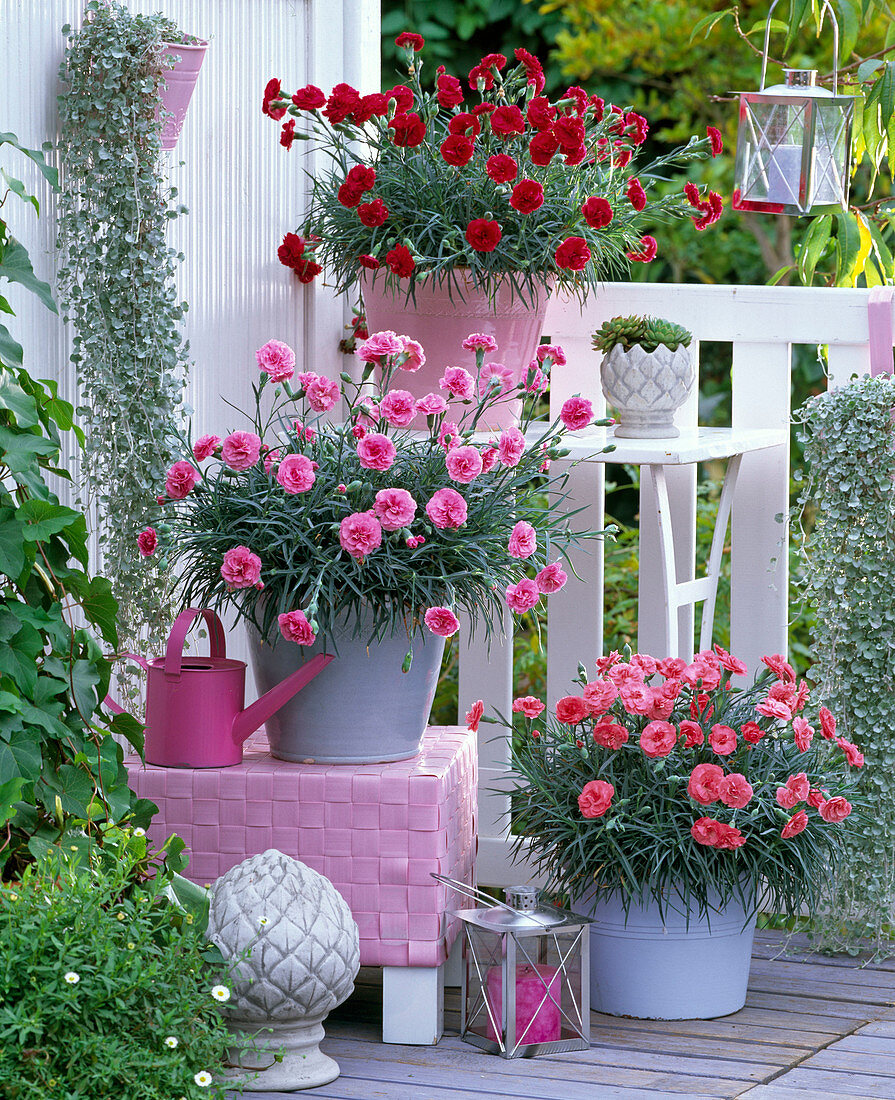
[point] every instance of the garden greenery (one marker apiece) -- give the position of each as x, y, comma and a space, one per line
849, 580
659, 778
60, 769
106, 988
119, 292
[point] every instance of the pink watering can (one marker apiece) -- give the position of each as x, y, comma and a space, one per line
195, 706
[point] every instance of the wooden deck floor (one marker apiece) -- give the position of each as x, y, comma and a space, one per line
812, 1028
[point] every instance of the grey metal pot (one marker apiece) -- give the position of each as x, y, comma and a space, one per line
362, 709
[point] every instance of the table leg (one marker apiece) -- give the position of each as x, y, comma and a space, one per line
412, 1004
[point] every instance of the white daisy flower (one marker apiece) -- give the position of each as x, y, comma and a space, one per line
71, 977
171, 1041
221, 993
203, 1078
139, 832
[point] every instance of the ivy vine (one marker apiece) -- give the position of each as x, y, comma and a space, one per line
848, 490
119, 292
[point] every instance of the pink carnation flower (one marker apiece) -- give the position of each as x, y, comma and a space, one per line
576, 413
535, 379
489, 457
442, 621
464, 464
412, 355
523, 541
394, 508
181, 480
523, 596
433, 404
510, 447
476, 340
271, 458
376, 451
458, 382
379, 346
398, 407
277, 360
241, 568
205, 446
360, 534
147, 542
449, 435
241, 450
295, 627
296, 474
551, 578
493, 374
529, 705
447, 509
322, 394
555, 352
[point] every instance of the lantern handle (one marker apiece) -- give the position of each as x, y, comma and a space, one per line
826, 6
481, 898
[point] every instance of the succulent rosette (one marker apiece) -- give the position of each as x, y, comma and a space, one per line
661, 776
482, 173
395, 510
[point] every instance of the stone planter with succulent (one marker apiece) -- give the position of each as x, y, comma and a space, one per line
646, 374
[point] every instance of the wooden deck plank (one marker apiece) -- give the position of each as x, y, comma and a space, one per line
857, 976
784, 1092
797, 1004
884, 1028
748, 1025
829, 1083
862, 1043
797, 945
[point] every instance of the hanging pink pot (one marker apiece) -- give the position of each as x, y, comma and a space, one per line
195, 706
441, 319
179, 84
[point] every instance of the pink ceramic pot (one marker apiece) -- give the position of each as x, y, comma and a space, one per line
179, 84
442, 318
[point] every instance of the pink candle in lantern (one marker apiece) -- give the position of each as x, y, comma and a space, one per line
532, 983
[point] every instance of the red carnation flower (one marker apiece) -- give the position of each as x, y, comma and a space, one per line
597, 212
636, 128
410, 130
717, 142
569, 133
288, 134
373, 214
622, 159
409, 41
596, 105
465, 124
577, 157
273, 91
501, 168
450, 92
636, 194
370, 262
542, 148
307, 270
527, 196
484, 109
483, 235
540, 113
400, 261
291, 251
647, 253
573, 254
579, 95
493, 60
457, 150
361, 177
343, 101
482, 75
506, 121
348, 195
533, 68
373, 104
402, 96
309, 98
712, 209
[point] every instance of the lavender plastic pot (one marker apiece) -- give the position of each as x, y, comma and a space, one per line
179, 85
442, 318
361, 709
680, 967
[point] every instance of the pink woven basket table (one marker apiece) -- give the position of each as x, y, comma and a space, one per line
375, 830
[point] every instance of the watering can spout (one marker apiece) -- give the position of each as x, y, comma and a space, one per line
247, 721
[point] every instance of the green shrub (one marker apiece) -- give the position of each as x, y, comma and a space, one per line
105, 986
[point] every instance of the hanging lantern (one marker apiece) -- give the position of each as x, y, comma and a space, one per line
794, 141
526, 984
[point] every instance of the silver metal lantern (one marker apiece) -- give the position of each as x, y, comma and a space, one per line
794, 141
526, 976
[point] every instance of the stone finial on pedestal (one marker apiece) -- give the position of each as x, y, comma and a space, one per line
294, 946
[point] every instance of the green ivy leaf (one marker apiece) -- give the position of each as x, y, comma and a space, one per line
73, 786
43, 518
19, 758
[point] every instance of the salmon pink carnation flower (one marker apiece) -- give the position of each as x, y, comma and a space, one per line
523, 596
412, 356
295, 627
835, 809
296, 474
736, 791
360, 534
241, 568
398, 408
551, 578
523, 539
205, 446
376, 452
595, 798
723, 740
571, 710
447, 509
464, 464
528, 705
394, 508
458, 382
658, 739
379, 346
147, 542
182, 478
442, 621
241, 450
610, 735
796, 824
276, 360
474, 716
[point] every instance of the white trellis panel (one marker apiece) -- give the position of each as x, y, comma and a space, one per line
242, 189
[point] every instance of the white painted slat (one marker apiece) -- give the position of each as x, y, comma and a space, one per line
759, 541
845, 361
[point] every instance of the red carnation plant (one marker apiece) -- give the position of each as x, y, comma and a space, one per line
656, 776
483, 173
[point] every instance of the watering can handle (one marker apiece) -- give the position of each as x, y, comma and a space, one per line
109, 701
179, 631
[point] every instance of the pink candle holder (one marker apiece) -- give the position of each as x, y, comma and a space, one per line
536, 1022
